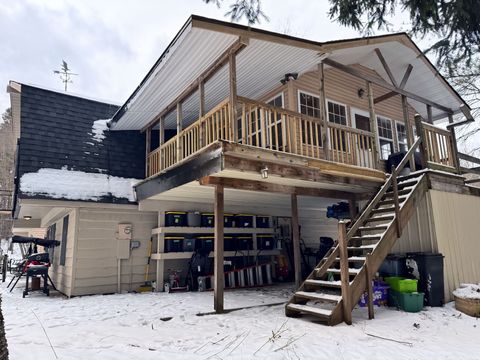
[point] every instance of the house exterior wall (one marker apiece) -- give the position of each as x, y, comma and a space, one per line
456, 226
96, 270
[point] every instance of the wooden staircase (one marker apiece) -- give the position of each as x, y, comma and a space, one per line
336, 284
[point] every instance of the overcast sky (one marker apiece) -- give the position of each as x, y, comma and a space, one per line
112, 44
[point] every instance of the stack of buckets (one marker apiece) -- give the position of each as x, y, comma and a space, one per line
403, 294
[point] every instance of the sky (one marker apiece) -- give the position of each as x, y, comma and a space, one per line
112, 44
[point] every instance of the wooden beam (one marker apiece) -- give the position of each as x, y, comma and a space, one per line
148, 138
401, 86
429, 114
201, 110
371, 311
344, 272
236, 47
380, 82
423, 144
161, 131
218, 272
456, 159
373, 123
408, 128
296, 242
179, 130
232, 64
323, 110
386, 67
262, 186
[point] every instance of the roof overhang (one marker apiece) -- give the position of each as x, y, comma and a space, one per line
263, 63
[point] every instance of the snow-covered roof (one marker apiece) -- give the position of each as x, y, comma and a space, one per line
260, 66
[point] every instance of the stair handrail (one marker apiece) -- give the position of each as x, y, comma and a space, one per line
366, 212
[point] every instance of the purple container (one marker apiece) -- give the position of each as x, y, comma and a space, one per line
380, 295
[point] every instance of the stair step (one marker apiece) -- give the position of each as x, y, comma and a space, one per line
351, 271
380, 218
354, 259
362, 247
384, 210
318, 296
309, 310
392, 201
407, 183
373, 228
366, 237
335, 284
389, 194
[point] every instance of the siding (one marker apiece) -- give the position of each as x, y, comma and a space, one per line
456, 224
96, 257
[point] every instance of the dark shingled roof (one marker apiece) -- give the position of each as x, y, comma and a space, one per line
56, 131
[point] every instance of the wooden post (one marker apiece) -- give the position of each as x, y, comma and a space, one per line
296, 242
161, 140
323, 110
373, 123
352, 206
233, 97
218, 273
371, 312
429, 114
396, 202
456, 159
148, 139
423, 143
344, 273
201, 111
179, 130
408, 128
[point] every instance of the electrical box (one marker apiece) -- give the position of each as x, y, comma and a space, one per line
123, 249
124, 232
134, 244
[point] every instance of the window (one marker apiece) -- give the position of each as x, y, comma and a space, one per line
361, 121
63, 245
51, 231
337, 113
385, 137
309, 104
402, 137
276, 139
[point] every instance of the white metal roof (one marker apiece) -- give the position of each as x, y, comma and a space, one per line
260, 66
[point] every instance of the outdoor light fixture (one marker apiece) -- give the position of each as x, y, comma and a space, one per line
264, 173
27, 217
361, 92
289, 77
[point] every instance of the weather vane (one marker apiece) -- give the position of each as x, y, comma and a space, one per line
65, 74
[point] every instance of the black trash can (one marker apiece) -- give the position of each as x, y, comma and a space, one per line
428, 269
394, 265
325, 244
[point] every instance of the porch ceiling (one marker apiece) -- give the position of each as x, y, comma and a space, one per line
261, 66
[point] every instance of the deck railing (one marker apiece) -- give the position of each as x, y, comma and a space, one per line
272, 128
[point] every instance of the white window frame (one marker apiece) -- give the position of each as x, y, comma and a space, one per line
383, 138
337, 103
309, 94
282, 95
414, 131
279, 121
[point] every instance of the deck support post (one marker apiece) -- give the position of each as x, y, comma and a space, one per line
296, 241
371, 312
352, 207
232, 63
323, 110
373, 123
429, 114
423, 143
344, 273
179, 130
201, 110
408, 129
148, 139
161, 139
218, 272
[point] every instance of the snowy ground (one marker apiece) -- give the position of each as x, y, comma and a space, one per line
137, 326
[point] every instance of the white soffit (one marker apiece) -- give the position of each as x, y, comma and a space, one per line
422, 80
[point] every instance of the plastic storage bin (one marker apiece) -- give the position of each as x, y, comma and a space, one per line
244, 220
401, 284
189, 244
262, 221
394, 265
175, 218
174, 243
265, 242
228, 220
244, 242
194, 219
380, 295
229, 243
207, 220
428, 269
205, 243
409, 302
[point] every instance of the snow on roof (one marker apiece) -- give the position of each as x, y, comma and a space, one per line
98, 129
76, 185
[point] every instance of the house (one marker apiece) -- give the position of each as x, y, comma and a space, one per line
241, 120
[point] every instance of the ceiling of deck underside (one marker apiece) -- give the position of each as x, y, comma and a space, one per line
260, 67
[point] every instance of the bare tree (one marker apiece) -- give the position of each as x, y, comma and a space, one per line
7, 149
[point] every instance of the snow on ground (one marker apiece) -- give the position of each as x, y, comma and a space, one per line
76, 185
137, 326
468, 291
